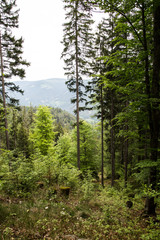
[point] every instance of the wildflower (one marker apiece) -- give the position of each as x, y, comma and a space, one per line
62, 213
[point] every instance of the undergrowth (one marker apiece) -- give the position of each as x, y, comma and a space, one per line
87, 213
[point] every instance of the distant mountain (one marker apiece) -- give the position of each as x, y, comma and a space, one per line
50, 92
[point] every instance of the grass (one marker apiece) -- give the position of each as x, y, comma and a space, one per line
102, 216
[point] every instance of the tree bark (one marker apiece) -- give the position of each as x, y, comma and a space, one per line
126, 151
126, 158
3, 95
112, 140
102, 146
77, 93
155, 113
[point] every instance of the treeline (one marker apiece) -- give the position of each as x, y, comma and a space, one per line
20, 121
42, 150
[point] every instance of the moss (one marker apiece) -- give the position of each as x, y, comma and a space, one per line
64, 188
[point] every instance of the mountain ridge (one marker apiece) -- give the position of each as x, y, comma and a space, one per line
51, 92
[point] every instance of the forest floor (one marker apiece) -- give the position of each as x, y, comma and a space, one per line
101, 215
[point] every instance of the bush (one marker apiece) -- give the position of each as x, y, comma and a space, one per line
87, 187
17, 173
68, 175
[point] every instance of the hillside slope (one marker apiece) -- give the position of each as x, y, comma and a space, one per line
51, 92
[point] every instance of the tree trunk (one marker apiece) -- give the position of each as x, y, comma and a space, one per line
126, 158
126, 152
155, 114
77, 93
102, 146
112, 140
14, 130
3, 94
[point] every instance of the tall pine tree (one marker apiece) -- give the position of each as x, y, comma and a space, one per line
77, 53
101, 96
11, 62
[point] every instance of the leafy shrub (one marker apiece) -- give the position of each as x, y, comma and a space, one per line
87, 187
45, 167
17, 173
68, 175
54, 172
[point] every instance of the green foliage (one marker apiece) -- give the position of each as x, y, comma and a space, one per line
102, 215
54, 171
152, 231
76, 40
87, 186
62, 148
19, 125
62, 117
42, 134
20, 176
142, 170
68, 176
89, 150
12, 63
149, 192
17, 174
45, 167
122, 91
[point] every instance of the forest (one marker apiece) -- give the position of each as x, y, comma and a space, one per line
62, 177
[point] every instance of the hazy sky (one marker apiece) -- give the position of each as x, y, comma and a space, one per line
40, 25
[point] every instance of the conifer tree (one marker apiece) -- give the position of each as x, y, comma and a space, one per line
101, 96
142, 17
11, 62
76, 54
95, 87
